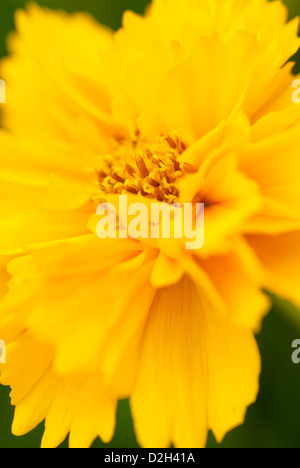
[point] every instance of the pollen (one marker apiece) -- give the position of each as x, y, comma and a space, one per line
149, 170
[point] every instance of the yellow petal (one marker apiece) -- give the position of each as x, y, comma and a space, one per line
67, 80
280, 254
166, 272
235, 276
278, 180
80, 404
234, 370
197, 371
230, 199
200, 111
171, 391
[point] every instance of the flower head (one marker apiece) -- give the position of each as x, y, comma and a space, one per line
189, 103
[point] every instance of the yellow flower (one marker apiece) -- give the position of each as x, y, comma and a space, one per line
190, 103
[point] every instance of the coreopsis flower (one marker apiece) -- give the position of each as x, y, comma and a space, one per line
189, 103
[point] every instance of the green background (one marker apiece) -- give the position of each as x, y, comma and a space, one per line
274, 421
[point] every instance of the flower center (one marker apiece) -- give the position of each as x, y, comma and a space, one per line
149, 170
